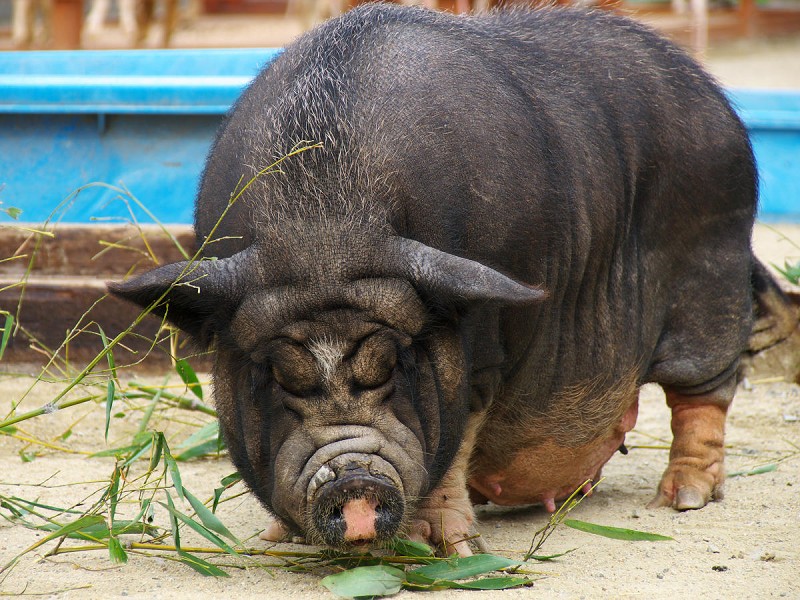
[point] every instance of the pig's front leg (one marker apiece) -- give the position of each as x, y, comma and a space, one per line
445, 519
696, 470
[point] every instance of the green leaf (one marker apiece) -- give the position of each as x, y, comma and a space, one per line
209, 431
112, 366
27, 456
113, 492
209, 519
8, 430
155, 457
174, 472
7, 327
417, 582
201, 566
77, 526
214, 446
547, 557
757, 471
403, 547
790, 272
201, 529
100, 531
229, 480
173, 521
616, 533
226, 482
13, 212
189, 377
109, 403
378, 580
116, 552
468, 566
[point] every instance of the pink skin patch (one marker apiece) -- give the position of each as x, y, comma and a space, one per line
548, 473
359, 515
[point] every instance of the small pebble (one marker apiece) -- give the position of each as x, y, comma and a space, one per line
767, 556
746, 385
791, 418
497, 525
635, 515
713, 549
719, 568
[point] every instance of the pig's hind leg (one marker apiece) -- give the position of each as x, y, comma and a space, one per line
696, 363
696, 471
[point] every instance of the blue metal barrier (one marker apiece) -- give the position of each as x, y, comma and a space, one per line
143, 121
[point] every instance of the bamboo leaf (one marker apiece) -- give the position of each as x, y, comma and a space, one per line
112, 366
189, 377
116, 552
113, 493
77, 526
403, 547
101, 532
547, 557
7, 327
209, 519
209, 431
172, 466
202, 530
757, 471
109, 403
616, 533
469, 566
201, 566
377, 580
226, 482
416, 582
173, 521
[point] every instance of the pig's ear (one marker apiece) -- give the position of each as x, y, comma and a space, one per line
199, 297
459, 279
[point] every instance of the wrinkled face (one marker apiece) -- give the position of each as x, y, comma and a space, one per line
340, 418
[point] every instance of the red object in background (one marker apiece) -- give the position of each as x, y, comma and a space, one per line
245, 6
67, 22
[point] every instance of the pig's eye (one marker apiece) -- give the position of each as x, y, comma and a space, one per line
293, 368
374, 362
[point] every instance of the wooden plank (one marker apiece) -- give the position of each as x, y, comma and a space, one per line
89, 250
56, 308
66, 278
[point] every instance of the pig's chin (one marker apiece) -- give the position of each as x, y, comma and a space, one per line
348, 485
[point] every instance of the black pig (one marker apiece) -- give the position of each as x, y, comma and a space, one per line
511, 222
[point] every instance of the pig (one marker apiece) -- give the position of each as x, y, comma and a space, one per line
440, 256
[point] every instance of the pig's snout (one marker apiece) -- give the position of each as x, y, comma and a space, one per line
357, 508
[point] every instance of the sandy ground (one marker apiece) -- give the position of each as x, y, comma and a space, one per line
743, 547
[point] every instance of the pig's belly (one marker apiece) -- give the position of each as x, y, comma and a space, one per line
549, 472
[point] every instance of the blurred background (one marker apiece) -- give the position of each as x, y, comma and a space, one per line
754, 43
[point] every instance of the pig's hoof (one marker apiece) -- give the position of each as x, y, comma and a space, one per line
448, 529
689, 489
276, 531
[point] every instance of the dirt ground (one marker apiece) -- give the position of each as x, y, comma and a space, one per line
743, 547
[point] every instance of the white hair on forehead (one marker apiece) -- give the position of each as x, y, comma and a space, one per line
328, 353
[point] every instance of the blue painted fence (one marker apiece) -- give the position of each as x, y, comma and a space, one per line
142, 121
